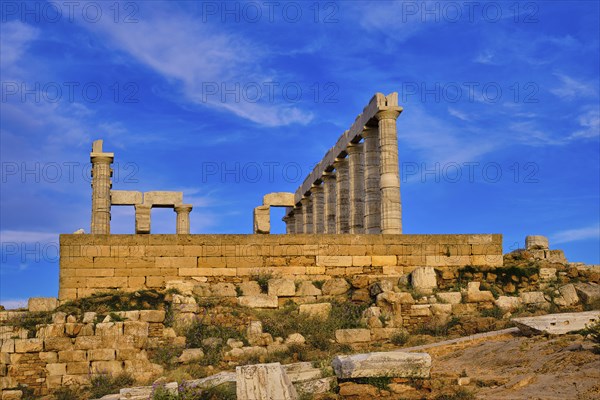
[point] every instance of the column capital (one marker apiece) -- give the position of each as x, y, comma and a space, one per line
387, 114
316, 188
354, 148
183, 208
326, 176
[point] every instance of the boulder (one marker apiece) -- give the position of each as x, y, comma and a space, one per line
508, 303
533, 298
335, 286
569, 294
395, 364
282, 287
588, 292
190, 355
264, 382
295, 338
380, 287
423, 279
318, 310
308, 289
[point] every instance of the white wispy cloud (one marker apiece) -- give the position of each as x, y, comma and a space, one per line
458, 114
15, 236
485, 57
571, 88
589, 121
577, 234
16, 37
13, 304
199, 59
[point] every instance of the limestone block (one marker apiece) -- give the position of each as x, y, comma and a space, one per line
109, 329
380, 287
101, 355
279, 199
223, 289
335, 286
235, 344
29, 345
125, 197
282, 287
569, 294
295, 338
59, 318
107, 367
86, 342
301, 371
264, 382
449, 297
163, 199
152, 315
352, 335
76, 368
533, 298
258, 301
202, 289
548, 274
334, 261
420, 310
536, 242
89, 317
37, 304
72, 356
316, 386
250, 288
391, 364
319, 310
474, 295
48, 357
213, 380
508, 303
7, 345
12, 394
190, 355
423, 279
588, 292
381, 261
56, 369
306, 288
557, 324
57, 343
262, 220
184, 287
441, 309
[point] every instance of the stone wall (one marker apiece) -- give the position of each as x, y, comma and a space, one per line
97, 263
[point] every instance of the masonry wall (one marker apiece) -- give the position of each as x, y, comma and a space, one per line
95, 263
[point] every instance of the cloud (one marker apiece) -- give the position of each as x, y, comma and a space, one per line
200, 60
590, 124
574, 235
571, 88
485, 58
13, 304
15, 236
16, 37
458, 114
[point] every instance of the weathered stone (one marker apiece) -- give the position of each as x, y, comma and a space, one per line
588, 292
316, 386
60, 317
352, 335
190, 355
569, 294
281, 287
222, 289
388, 364
547, 274
202, 289
533, 298
89, 317
38, 304
380, 287
423, 279
12, 394
184, 287
508, 303
250, 288
307, 289
335, 286
557, 324
279, 199
262, 219
213, 380
474, 295
351, 390
421, 310
301, 371
264, 382
258, 301
319, 310
29, 345
152, 315
536, 242
235, 344
441, 309
295, 338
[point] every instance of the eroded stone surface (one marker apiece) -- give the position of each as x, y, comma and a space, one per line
264, 382
557, 324
390, 364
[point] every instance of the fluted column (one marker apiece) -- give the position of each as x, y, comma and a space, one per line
298, 219
356, 187
329, 202
183, 218
318, 213
307, 214
391, 209
342, 196
101, 185
372, 206
289, 220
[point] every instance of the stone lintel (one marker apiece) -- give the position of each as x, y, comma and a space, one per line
163, 199
125, 197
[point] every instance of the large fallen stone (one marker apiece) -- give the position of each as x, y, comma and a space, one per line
508, 303
302, 371
569, 294
352, 335
315, 386
264, 382
213, 380
395, 364
556, 324
335, 286
281, 287
588, 292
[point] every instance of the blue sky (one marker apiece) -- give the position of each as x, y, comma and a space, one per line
227, 101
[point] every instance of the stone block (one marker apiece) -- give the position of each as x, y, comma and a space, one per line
262, 220
163, 198
101, 355
334, 261
393, 364
533, 298
125, 197
449, 297
382, 261
87, 342
557, 324
534, 242
306, 288
37, 304
48, 357
352, 335
319, 310
420, 310
67, 356
258, 301
55, 369
191, 355
474, 295
12, 394
107, 367
109, 329
335, 286
29, 345
508, 303
279, 199
423, 279
361, 261
264, 382
282, 287
569, 294
57, 343
588, 292
152, 315
78, 368
547, 274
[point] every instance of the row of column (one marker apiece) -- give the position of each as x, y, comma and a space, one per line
359, 192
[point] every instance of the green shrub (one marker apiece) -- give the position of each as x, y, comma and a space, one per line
27, 392
593, 331
494, 312
69, 393
103, 384
263, 280
165, 355
380, 382
30, 321
400, 338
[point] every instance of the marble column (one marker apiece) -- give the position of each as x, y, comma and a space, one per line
289, 220
372, 206
318, 208
329, 202
183, 218
342, 196
298, 219
307, 214
101, 185
356, 187
391, 209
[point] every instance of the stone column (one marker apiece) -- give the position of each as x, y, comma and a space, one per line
142, 218
342, 196
356, 186
329, 202
318, 208
372, 206
289, 220
183, 218
391, 208
307, 214
101, 184
298, 220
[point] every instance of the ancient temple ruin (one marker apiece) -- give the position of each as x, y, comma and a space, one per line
355, 188
103, 198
